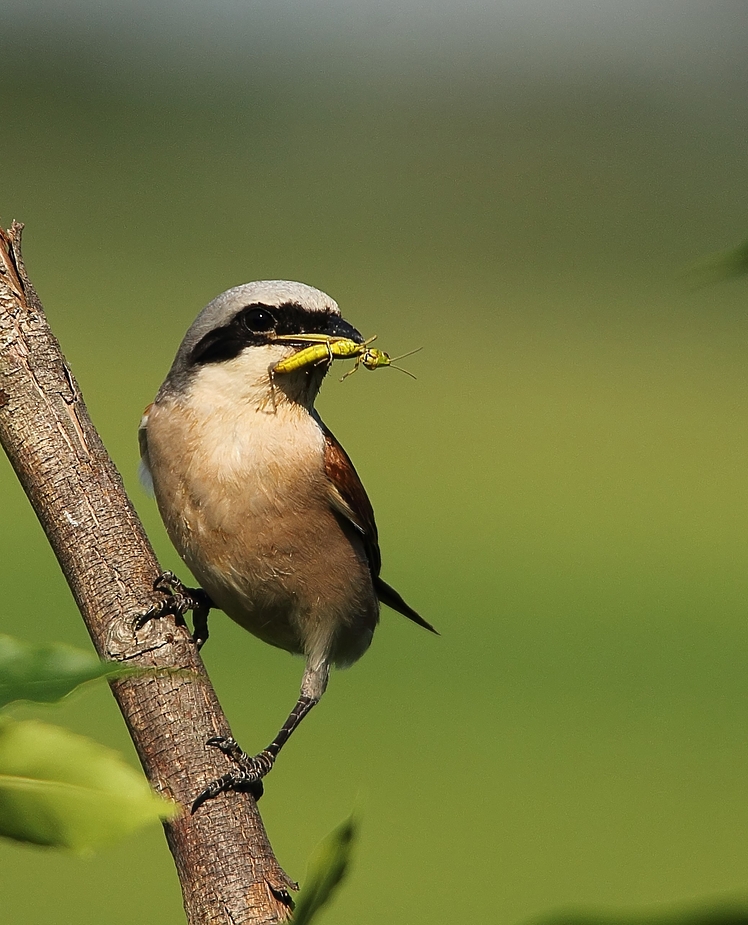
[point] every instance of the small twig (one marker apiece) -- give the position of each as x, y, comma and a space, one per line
226, 866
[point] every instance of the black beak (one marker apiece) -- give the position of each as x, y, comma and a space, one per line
338, 327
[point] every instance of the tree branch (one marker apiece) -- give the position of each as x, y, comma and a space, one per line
226, 866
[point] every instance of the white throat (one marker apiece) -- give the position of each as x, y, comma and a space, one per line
247, 384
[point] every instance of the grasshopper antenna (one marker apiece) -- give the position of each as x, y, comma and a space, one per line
402, 357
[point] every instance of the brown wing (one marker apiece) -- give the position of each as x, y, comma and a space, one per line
348, 497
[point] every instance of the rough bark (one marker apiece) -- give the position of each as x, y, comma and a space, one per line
225, 863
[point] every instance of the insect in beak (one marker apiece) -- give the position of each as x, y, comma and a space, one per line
325, 349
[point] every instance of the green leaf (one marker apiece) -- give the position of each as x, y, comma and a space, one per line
61, 789
46, 673
327, 868
721, 266
722, 913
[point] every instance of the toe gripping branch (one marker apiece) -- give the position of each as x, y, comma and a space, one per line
177, 601
249, 771
245, 776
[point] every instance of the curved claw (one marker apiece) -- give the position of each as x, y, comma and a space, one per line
153, 613
177, 601
167, 582
212, 790
230, 747
247, 775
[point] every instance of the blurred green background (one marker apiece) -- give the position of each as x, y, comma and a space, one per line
518, 189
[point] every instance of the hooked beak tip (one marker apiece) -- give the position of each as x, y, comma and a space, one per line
339, 327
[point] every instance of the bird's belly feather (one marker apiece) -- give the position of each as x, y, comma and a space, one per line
252, 522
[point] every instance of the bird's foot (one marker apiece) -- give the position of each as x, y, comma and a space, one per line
177, 601
247, 775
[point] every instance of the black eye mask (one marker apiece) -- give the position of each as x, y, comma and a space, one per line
258, 324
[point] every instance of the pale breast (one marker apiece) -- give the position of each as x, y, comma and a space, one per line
241, 488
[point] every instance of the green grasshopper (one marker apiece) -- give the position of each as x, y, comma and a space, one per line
324, 349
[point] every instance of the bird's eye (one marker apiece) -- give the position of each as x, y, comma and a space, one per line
258, 320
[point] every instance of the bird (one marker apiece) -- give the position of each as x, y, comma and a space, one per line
260, 500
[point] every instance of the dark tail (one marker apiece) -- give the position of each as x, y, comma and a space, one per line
391, 598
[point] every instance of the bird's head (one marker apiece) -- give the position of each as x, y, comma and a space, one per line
237, 339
